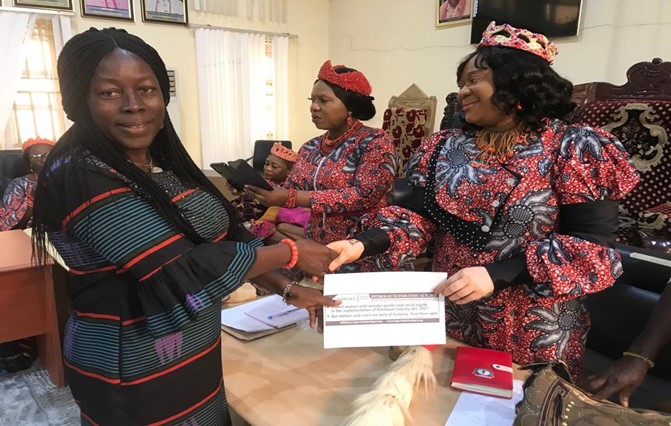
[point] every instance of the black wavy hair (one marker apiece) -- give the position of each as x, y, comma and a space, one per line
361, 106
76, 66
524, 78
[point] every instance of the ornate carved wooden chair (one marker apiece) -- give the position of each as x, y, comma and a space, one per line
408, 119
639, 114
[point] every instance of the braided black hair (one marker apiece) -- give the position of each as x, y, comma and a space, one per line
524, 78
76, 66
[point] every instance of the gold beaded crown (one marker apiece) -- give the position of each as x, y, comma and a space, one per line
518, 38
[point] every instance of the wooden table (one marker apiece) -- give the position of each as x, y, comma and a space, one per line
289, 378
32, 299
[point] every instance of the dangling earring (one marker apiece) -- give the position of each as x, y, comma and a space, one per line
349, 119
519, 106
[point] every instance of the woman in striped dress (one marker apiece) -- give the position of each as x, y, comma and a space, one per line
151, 244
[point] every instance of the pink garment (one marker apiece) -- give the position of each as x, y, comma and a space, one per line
264, 228
297, 216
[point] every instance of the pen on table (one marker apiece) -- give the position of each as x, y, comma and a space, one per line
281, 314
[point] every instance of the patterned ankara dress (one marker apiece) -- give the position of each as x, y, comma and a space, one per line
143, 342
17, 201
493, 212
345, 183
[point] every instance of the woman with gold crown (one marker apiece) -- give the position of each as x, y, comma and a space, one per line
522, 207
345, 172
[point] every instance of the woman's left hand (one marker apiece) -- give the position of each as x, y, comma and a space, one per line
467, 285
276, 197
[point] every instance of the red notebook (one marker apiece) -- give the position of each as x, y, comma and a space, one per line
483, 371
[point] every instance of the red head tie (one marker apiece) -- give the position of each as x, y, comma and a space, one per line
283, 152
353, 81
36, 141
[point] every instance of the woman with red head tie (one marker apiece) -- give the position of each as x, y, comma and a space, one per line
16, 209
345, 172
522, 206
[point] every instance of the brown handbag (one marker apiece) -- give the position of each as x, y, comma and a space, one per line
551, 399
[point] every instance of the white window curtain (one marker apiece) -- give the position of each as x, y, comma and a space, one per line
62, 31
281, 86
232, 85
15, 28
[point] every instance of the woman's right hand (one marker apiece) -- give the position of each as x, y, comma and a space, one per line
348, 251
313, 258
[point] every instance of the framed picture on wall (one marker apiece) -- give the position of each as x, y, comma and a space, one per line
170, 11
118, 9
453, 12
46, 4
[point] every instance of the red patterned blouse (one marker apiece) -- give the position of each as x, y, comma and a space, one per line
497, 212
346, 182
16, 209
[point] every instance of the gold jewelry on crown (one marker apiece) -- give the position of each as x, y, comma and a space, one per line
518, 38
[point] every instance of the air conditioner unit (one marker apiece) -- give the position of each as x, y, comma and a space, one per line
174, 109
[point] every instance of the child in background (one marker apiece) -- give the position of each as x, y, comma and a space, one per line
274, 223
275, 170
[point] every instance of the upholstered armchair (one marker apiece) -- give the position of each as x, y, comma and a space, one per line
639, 114
408, 119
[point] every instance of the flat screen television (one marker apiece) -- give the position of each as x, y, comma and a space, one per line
554, 18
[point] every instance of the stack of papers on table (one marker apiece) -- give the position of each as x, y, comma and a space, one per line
260, 318
480, 410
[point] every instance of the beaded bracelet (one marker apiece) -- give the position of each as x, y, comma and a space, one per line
286, 293
291, 199
650, 362
294, 253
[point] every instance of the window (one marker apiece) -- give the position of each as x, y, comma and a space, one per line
243, 91
37, 105
268, 111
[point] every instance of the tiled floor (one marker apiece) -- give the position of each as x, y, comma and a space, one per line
30, 398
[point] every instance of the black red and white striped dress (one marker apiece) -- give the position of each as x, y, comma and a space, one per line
142, 345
